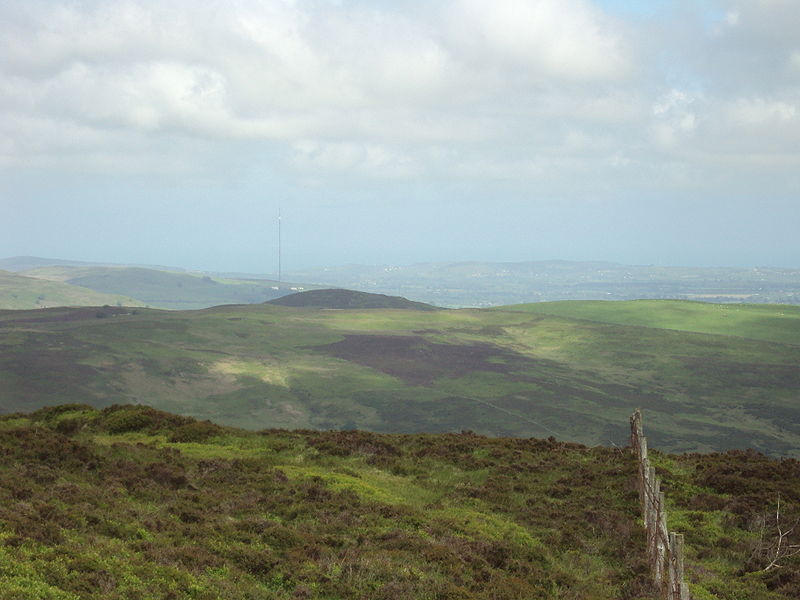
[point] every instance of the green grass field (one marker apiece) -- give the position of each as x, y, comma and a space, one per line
510, 372
771, 322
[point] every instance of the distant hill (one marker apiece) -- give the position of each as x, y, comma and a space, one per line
447, 285
25, 263
348, 299
20, 292
18, 264
484, 284
133, 285
166, 289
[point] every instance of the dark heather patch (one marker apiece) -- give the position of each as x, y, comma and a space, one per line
744, 374
46, 371
783, 417
418, 361
348, 299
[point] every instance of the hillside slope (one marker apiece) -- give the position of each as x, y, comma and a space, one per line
129, 502
20, 292
508, 373
774, 322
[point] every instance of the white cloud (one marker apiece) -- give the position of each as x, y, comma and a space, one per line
516, 89
368, 159
560, 39
759, 111
674, 118
794, 62
752, 48
290, 71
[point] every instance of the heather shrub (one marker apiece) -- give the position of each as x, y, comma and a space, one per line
197, 431
127, 419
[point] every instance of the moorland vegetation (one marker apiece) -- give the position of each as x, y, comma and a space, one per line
710, 377
130, 502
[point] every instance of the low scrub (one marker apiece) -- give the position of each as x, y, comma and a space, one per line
129, 502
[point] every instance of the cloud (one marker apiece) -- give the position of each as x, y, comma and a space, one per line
346, 75
513, 89
553, 39
675, 118
759, 111
368, 159
751, 48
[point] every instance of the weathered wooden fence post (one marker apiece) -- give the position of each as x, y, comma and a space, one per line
664, 549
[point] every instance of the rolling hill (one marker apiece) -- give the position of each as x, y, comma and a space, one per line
509, 372
776, 323
166, 289
21, 292
16, 264
450, 285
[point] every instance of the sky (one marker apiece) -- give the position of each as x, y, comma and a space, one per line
172, 132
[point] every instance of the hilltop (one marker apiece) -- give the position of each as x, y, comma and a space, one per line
25, 263
508, 372
131, 502
347, 299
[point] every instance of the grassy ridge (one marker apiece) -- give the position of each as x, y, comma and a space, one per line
19, 292
129, 502
508, 373
776, 323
